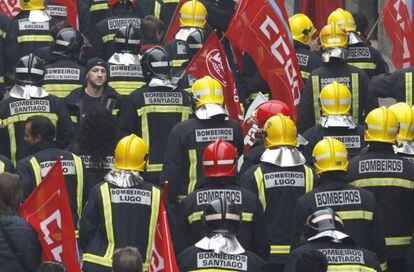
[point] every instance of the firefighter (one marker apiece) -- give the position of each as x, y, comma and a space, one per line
324, 231
5, 25
390, 178
121, 211
63, 73
279, 179
405, 138
99, 10
152, 111
334, 41
220, 249
26, 99
182, 161
302, 31
335, 101
219, 165
125, 73
39, 133
357, 207
122, 14
360, 53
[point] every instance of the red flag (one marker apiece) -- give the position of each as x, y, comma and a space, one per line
399, 27
211, 60
319, 13
174, 24
162, 255
261, 29
47, 210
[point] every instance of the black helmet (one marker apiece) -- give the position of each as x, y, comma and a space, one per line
221, 216
29, 70
195, 41
156, 63
68, 42
128, 39
322, 220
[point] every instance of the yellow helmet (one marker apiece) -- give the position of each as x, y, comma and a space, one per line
343, 18
207, 90
405, 117
333, 36
330, 154
193, 14
381, 126
131, 153
335, 99
279, 130
32, 4
302, 28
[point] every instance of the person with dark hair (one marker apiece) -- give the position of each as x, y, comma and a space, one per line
40, 134
312, 261
51, 266
19, 246
127, 259
153, 30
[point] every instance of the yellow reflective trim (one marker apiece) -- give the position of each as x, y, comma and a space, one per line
79, 191
304, 74
354, 215
309, 179
74, 118
279, 249
34, 38
212, 270
192, 155
2, 167
380, 182
1, 79
3, 33
258, 175
178, 62
157, 9
355, 95
115, 111
155, 207
108, 38
195, 216
126, 85
398, 241
155, 167
180, 198
107, 210
97, 7
60, 90
384, 266
92, 258
409, 88
170, 1
350, 268
316, 90
364, 65
76, 233
247, 216
37, 170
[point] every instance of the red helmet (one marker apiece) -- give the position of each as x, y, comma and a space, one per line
113, 2
219, 159
270, 108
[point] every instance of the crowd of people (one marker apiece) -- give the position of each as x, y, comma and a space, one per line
330, 188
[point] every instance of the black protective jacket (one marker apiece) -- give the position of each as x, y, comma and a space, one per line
308, 60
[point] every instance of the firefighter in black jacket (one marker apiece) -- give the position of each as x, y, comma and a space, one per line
39, 133
324, 233
63, 73
334, 40
5, 25
121, 211
405, 138
220, 249
152, 111
279, 180
219, 164
357, 207
390, 177
302, 31
28, 99
182, 161
336, 121
98, 9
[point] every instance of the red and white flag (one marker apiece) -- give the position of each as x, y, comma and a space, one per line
398, 23
48, 211
261, 28
211, 60
10, 7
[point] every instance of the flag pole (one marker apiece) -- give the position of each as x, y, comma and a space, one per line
375, 25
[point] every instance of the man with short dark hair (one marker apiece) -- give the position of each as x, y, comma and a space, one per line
312, 261
127, 259
51, 266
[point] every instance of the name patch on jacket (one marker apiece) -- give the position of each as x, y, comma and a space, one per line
205, 197
350, 141
25, 24
133, 196
54, 10
164, 98
62, 74
125, 71
219, 260
302, 59
30, 105
107, 163
212, 134
337, 198
359, 53
378, 165
344, 80
284, 179
68, 167
339, 256
120, 22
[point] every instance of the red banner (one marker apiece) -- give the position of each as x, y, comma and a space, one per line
47, 210
266, 38
174, 24
399, 28
10, 7
319, 13
211, 60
